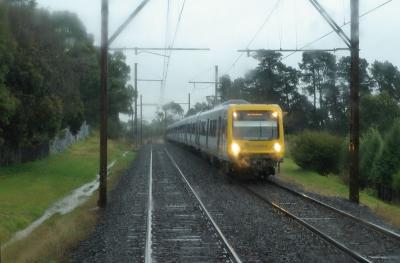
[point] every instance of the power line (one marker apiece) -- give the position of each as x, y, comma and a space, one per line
173, 39
165, 52
345, 24
201, 73
255, 35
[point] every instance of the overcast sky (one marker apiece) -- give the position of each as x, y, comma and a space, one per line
225, 26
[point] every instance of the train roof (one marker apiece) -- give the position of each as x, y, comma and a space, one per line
224, 105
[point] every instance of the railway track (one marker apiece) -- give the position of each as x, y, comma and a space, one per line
179, 227
362, 240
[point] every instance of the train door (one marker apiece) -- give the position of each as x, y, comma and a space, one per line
198, 130
223, 136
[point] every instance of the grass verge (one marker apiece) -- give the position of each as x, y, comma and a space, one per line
333, 186
27, 190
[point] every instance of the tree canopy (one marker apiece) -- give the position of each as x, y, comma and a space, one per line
49, 75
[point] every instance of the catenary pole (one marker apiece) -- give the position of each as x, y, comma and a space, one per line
355, 97
188, 102
141, 120
354, 44
136, 107
216, 85
103, 104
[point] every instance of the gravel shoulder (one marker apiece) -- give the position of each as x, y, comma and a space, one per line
121, 231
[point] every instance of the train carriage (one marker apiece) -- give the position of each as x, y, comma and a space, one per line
240, 135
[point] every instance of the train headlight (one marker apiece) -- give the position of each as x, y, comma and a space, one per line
275, 114
235, 114
235, 148
277, 147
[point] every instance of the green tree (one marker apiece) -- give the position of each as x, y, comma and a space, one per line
174, 111
225, 88
387, 78
388, 162
8, 102
198, 107
370, 148
319, 75
378, 111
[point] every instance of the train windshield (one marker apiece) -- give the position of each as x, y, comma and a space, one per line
255, 125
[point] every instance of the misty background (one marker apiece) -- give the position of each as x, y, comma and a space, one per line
225, 26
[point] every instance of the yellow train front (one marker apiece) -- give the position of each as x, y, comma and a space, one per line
237, 135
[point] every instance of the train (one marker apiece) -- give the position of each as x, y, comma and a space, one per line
238, 136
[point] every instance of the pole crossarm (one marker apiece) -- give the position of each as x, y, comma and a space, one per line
331, 22
127, 21
248, 51
151, 104
150, 80
202, 82
157, 104
137, 49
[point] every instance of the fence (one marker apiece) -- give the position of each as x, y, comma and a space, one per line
11, 155
65, 139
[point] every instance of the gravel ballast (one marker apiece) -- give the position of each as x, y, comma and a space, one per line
258, 232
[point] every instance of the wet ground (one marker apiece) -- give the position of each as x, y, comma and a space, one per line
257, 232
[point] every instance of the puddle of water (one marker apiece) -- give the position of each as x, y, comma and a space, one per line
63, 206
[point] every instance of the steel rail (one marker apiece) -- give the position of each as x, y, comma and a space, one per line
202, 206
332, 241
339, 211
148, 248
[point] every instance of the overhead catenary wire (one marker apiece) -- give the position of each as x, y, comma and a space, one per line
331, 32
201, 73
173, 39
266, 20
165, 51
167, 58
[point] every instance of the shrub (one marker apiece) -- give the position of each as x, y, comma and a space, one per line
370, 148
396, 182
387, 164
317, 151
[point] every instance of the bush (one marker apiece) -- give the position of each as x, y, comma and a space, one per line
318, 151
387, 164
396, 182
370, 148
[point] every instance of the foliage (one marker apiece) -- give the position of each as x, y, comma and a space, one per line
378, 111
317, 151
388, 161
370, 149
319, 72
198, 107
396, 181
173, 110
49, 75
387, 78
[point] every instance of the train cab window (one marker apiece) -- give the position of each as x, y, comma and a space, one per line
255, 125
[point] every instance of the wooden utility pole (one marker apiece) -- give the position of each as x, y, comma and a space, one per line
165, 120
141, 119
354, 44
136, 100
355, 97
216, 85
105, 43
188, 102
103, 104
